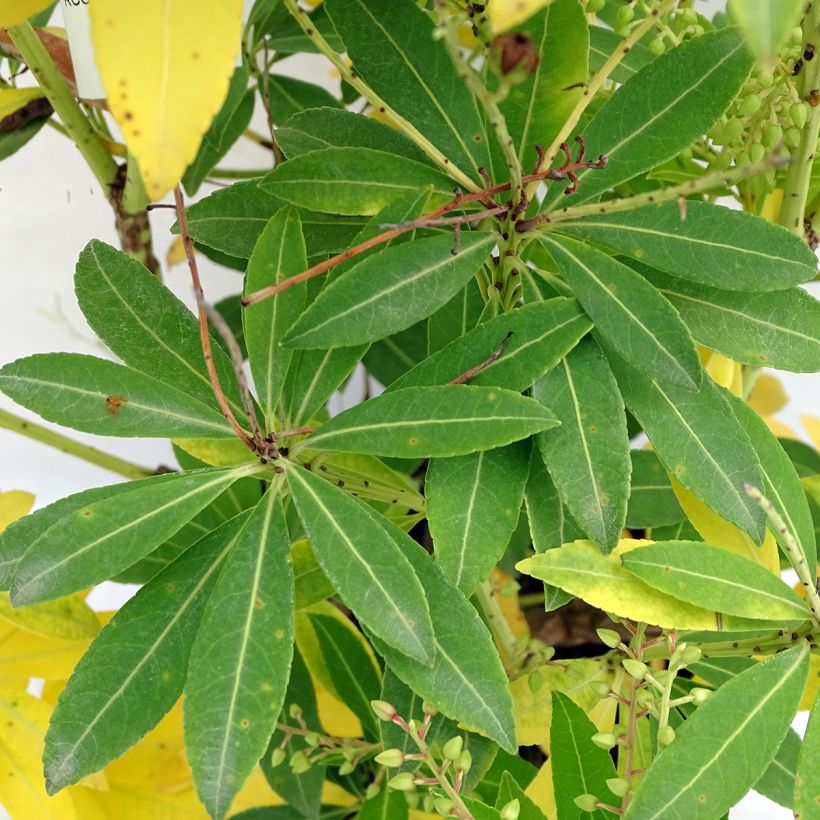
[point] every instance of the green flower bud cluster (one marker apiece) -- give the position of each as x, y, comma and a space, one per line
681, 23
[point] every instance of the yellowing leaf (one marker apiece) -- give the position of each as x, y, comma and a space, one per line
542, 792
14, 12
767, 396
812, 425
719, 532
779, 429
509, 606
725, 371
176, 254
218, 452
165, 66
533, 710
13, 99
24, 655
68, 618
812, 685
505, 14
14, 504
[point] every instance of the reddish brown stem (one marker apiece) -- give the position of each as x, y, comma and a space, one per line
474, 371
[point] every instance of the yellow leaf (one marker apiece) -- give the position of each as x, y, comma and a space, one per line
812, 425
14, 12
716, 530
542, 792
509, 606
23, 722
779, 429
14, 504
812, 685
533, 710
218, 452
176, 254
13, 99
725, 371
505, 14
165, 66
25, 655
767, 396
70, 619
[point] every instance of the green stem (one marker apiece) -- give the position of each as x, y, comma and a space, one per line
8, 421
486, 597
632, 719
798, 176
352, 79
62, 101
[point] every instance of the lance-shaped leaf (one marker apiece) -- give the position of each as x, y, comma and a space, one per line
629, 313
780, 329
385, 805
319, 128
709, 244
537, 336
352, 181
98, 396
456, 318
133, 673
509, 790
232, 219
578, 766
473, 504
396, 54
99, 539
278, 254
602, 44
466, 680
364, 564
390, 290
582, 570
451, 420
715, 578
663, 109
652, 501
143, 323
781, 484
807, 782
699, 441
588, 454
726, 745
240, 661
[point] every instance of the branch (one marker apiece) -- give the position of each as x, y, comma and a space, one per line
474, 371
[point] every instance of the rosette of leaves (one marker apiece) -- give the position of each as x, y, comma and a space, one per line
522, 344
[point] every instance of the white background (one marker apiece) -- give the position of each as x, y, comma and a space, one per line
50, 207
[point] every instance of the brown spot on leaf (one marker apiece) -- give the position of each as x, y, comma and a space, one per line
113, 404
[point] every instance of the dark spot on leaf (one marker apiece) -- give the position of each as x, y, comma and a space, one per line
113, 404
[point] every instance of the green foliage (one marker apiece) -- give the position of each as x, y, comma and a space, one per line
338, 593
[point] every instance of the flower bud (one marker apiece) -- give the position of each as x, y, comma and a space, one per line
799, 113
666, 734
511, 810
465, 761
402, 782
383, 709
691, 654
609, 637
413, 800
644, 698
312, 739
429, 709
443, 805
732, 132
295, 711
604, 740
299, 763
600, 688
772, 134
656, 46
792, 138
586, 802
346, 768
392, 758
635, 668
700, 696
453, 747
618, 786
535, 680
547, 653
372, 790
624, 16
765, 78
757, 152
277, 758
594, 6
427, 803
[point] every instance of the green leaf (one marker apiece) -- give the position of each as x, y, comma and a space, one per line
312, 585
99, 539
12, 141
143, 323
663, 109
451, 420
505, 763
302, 792
278, 254
397, 55
603, 42
410, 706
473, 504
536, 108
319, 128
778, 781
578, 766
134, 671
699, 441
807, 782
240, 661
652, 501
588, 454
711, 244
232, 219
582, 570
538, 335
466, 682
390, 358
777, 329
289, 96
456, 318
352, 181
350, 668
108, 399
379, 585
766, 24
781, 484
389, 290
714, 578
509, 791
629, 313
726, 745
386, 805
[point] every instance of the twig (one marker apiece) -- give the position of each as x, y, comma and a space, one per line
474, 371
202, 311
421, 222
